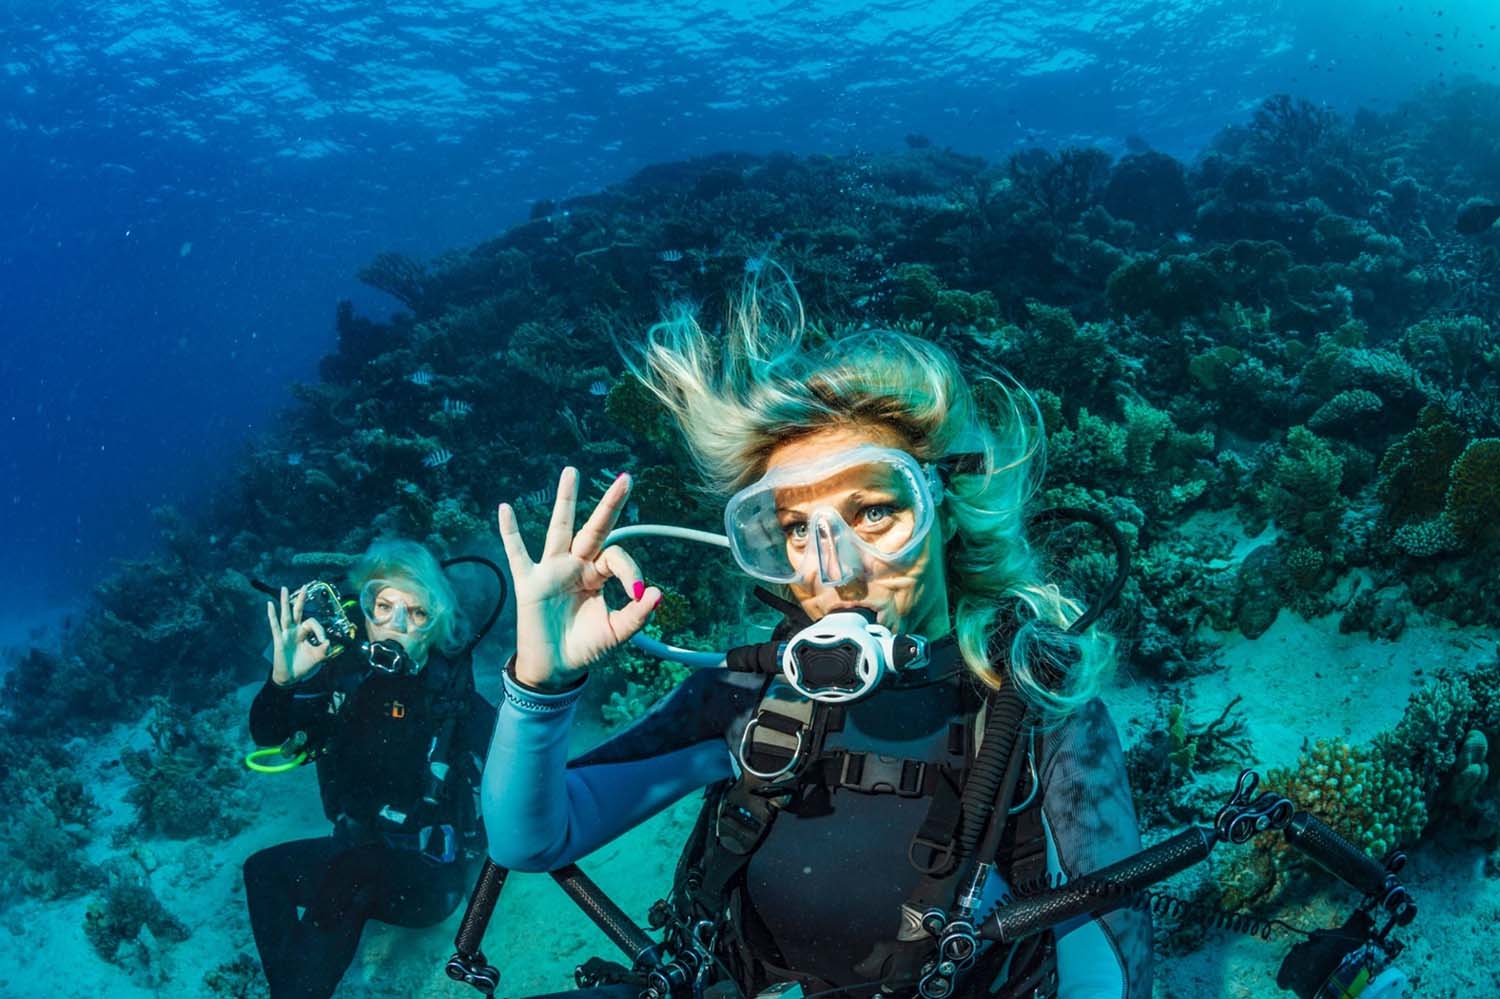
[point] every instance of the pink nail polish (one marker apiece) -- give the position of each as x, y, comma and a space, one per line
657, 604
638, 589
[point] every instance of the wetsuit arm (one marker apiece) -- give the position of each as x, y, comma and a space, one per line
1089, 966
542, 814
1090, 823
279, 711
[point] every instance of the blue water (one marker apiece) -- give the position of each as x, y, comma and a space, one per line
189, 188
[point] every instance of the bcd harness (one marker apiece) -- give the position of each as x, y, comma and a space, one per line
405, 825
784, 767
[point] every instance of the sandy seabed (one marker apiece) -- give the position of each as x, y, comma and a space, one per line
1300, 681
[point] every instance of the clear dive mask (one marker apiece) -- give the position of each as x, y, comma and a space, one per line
386, 603
858, 511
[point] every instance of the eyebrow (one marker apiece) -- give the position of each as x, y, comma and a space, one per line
857, 496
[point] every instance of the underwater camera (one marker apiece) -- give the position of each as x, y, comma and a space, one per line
322, 604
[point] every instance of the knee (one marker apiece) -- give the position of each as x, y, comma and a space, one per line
261, 867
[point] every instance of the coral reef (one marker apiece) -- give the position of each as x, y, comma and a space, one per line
188, 784
128, 926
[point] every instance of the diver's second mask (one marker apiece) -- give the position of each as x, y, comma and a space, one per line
845, 655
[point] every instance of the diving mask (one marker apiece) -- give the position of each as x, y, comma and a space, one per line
389, 604
855, 512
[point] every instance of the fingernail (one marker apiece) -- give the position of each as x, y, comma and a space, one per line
657, 604
639, 588
620, 476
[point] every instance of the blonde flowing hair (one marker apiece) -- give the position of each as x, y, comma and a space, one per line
739, 396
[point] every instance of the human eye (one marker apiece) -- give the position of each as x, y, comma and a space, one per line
877, 514
795, 530
419, 615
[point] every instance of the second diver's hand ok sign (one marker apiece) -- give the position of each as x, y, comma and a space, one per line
563, 625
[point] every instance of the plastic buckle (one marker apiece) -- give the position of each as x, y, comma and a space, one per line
874, 774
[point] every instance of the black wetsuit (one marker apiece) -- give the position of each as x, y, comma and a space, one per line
389, 857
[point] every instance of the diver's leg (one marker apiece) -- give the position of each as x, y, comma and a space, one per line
278, 880
419, 892
328, 936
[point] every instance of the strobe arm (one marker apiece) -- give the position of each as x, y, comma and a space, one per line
468, 964
1243, 817
611, 920
1102, 891
1353, 866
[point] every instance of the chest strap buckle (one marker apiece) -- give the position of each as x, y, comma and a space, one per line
871, 773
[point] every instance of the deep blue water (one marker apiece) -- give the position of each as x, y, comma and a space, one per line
189, 188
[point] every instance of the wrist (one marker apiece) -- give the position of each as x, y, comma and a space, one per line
543, 685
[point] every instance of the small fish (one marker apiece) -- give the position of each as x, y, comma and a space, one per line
422, 376
599, 388
670, 256
294, 458
438, 458
537, 497
457, 407
1477, 217
753, 265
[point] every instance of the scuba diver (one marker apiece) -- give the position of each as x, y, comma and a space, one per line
922, 735
381, 694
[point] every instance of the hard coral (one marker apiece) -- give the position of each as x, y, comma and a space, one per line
1303, 491
1375, 804
1473, 501
1414, 473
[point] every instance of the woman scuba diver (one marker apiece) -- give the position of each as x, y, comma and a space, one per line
839, 844
398, 733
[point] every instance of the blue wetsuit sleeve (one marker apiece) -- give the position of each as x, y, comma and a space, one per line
1090, 823
1088, 965
543, 814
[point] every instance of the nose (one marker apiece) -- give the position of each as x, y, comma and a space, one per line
838, 559
398, 619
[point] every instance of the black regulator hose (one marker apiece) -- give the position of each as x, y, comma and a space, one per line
1003, 732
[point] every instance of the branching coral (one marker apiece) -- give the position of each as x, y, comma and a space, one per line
1414, 472
1348, 414
190, 785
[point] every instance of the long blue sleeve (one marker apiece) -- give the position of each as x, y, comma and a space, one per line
1090, 823
542, 814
